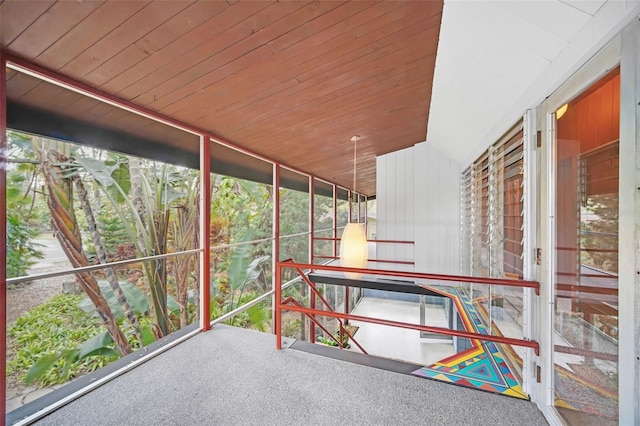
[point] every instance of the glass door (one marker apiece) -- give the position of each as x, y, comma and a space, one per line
585, 277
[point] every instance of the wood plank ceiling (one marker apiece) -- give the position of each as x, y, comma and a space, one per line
293, 81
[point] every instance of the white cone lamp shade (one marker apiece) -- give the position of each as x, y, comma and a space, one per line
353, 249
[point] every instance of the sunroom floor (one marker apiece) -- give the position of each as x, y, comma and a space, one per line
233, 376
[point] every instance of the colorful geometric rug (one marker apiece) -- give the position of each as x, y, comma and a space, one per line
483, 366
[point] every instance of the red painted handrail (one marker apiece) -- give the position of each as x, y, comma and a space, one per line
439, 330
313, 288
280, 306
419, 275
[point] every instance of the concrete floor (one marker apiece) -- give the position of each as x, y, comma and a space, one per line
397, 343
231, 376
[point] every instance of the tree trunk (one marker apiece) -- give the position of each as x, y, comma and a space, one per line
185, 233
102, 257
158, 283
65, 226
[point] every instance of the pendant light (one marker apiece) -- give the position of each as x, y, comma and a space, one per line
353, 244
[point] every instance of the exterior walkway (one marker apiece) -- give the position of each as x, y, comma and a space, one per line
233, 376
483, 365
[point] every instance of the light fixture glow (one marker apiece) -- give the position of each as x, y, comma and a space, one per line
353, 249
560, 112
353, 244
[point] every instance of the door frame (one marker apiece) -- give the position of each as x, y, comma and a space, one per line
600, 64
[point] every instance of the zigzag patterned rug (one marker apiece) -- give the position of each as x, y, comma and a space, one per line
483, 366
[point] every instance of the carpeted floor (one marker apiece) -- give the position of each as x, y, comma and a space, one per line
230, 376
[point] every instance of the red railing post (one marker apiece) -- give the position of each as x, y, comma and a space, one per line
277, 313
312, 312
335, 221
312, 328
205, 231
315, 291
277, 317
3, 236
312, 297
346, 302
312, 195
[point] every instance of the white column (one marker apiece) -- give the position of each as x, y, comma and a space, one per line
629, 228
530, 301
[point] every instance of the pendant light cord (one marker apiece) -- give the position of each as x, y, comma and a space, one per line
354, 139
355, 148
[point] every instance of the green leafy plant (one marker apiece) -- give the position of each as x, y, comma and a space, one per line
331, 342
43, 335
21, 249
243, 282
22, 216
67, 358
256, 317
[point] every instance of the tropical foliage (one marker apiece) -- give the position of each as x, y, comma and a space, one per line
103, 207
599, 233
24, 207
52, 328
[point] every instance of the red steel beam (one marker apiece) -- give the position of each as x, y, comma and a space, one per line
403, 274
439, 330
3, 235
312, 194
205, 232
315, 291
312, 227
291, 300
335, 220
277, 283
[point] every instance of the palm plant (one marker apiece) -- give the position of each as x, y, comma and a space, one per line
184, 235
102, 257
54, 157
148, 221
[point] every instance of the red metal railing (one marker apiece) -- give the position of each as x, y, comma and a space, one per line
286, 305
398, 262
335, 256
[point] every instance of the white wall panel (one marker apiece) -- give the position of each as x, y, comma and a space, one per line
419, 199
395, 185
438, 211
